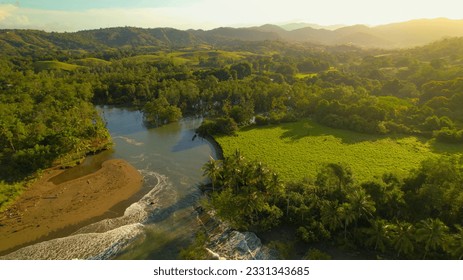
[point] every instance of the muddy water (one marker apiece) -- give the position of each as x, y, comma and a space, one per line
161, 218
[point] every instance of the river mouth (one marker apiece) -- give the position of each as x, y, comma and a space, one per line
158, 220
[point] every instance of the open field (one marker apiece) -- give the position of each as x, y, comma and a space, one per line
54, 65
305, 75
91, 61
298, 150
190, 57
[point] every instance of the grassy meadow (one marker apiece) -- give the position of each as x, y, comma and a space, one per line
54, 65
298, 150
190, 57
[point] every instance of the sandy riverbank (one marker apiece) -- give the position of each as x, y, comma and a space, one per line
46, 207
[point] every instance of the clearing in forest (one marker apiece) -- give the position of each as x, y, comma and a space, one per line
300, 149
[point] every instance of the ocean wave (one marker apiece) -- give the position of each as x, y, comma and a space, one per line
81, 246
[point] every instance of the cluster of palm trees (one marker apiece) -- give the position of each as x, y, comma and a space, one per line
244, 193
429, 238
332, 207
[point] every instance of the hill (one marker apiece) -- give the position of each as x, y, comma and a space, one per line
54, 65
397, 35
419, 32
298, 25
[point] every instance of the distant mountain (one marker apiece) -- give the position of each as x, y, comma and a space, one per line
419, 32
244, 34
299, 25
398, 35
270, 28
129, 36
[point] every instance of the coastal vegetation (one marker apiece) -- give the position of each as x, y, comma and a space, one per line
417, 216
46, 120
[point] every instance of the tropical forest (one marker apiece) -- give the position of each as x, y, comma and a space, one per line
321, 148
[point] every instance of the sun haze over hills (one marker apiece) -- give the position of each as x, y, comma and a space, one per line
58, 15
397, 35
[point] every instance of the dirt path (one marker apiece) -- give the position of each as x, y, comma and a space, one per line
46, 207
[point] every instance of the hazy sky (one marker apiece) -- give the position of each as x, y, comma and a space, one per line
64, 15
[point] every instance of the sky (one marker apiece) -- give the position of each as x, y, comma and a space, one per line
64, 15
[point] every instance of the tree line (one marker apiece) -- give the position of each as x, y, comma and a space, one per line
400, 92
414, 217
46, 119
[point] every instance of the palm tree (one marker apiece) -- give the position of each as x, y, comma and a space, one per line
237, 158
379, 233
233, 168
360, 205
261, 173
275, 188
433, 232
330, 214
334, 179
212, 169
347, 215
454, 246
402, 238
303, 209
245, 176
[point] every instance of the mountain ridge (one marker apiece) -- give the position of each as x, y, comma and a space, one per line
390, 36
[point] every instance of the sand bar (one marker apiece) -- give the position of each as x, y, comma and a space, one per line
46, 207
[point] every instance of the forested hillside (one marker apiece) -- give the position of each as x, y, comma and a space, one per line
398, 35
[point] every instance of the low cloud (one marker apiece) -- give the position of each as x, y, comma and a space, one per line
52, 20
11, 17
6, 10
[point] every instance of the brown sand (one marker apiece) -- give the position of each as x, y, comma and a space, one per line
45, 207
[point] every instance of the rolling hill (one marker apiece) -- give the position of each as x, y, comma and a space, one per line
398, 35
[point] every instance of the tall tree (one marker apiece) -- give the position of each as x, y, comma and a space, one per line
433, 233
360, 204
330, 215
454, 246
212, 169
402, 238
378, 234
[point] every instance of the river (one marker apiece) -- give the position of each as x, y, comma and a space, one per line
160, 219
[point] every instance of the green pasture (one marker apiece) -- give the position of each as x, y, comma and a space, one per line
190, 57
91, 61
305, 75
54, 65
298, 150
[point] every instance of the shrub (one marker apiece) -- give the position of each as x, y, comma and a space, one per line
221, 126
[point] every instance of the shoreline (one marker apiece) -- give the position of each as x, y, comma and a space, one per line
218, 149
47, 210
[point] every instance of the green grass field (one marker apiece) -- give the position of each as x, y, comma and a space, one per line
175, 58
92, 62
189, 57
54, 65
298, 150
305, 75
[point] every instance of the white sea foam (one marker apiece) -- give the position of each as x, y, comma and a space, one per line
81, 246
